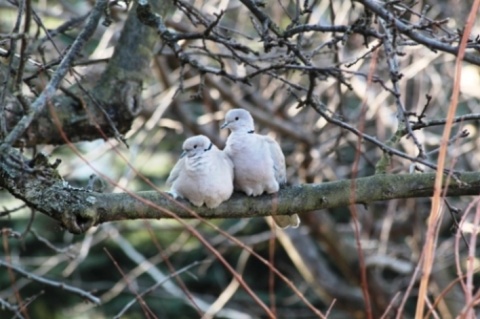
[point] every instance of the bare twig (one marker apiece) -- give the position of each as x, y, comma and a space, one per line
155, 286
384, 147
436, 209
6, 211
49, 282
432, 43
15, 309
395, 75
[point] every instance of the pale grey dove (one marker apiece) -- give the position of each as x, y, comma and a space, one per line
203, 174
258, 161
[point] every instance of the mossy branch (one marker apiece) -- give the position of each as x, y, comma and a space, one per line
295, 199
39, 185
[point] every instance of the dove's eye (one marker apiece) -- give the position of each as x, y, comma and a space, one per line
194, 146
236, 119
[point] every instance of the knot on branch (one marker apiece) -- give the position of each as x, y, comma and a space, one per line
74, 208
133, 99
79, 219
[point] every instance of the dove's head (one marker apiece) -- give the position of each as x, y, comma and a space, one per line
238, 120
196, 145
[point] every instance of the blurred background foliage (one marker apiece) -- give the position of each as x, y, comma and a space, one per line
320, 257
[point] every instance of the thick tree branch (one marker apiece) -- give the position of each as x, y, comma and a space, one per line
39, 185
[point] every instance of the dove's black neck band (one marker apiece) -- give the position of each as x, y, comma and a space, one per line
209, 147
251, 132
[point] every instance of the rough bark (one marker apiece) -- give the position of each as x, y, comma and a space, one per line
38, 184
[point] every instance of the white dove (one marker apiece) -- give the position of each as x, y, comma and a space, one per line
203, 174
258, 161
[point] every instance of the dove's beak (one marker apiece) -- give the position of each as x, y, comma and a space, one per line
225, 125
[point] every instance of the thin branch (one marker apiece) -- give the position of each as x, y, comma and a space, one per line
48, 282
148, 266
329, 28
15, 309
7, 84
67, 250
384, 147
436, 122
440, 188
155, 286
6, 211
378, 8
395, 75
